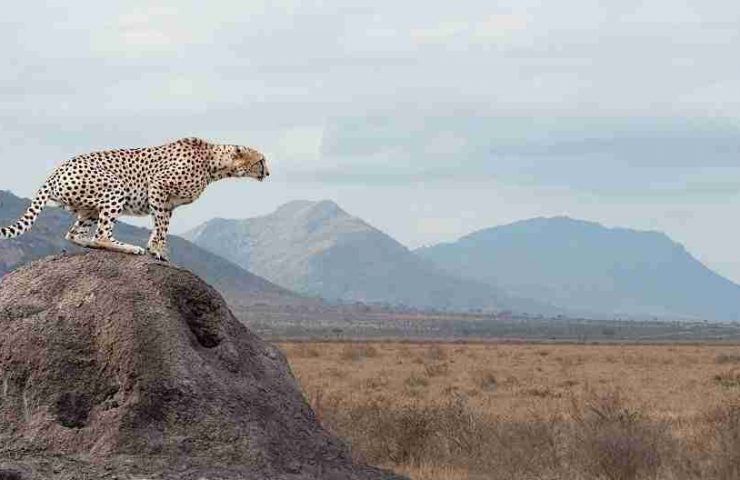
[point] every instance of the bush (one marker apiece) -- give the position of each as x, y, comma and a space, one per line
484, 379
303, 350
616, 442
601, 438
436, 370
724, 430
725, 358
729, 379
416, 382
356, 352
448, 435
436, 352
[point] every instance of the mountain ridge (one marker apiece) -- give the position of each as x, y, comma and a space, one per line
317, 248
591, 268
47, 238
570, 266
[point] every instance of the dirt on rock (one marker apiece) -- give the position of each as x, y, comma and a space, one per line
116, 366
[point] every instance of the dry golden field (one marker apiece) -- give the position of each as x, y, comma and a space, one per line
530, 411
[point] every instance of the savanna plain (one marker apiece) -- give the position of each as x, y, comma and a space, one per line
452, 411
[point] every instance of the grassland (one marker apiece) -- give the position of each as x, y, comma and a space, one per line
530, 411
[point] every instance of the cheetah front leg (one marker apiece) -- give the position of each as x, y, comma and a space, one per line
157, 245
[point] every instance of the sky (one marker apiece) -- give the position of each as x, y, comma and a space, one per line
427, 119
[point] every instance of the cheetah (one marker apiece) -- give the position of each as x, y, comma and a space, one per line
99, 187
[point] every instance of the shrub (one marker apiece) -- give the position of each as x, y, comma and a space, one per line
416, 382
729, 379
614, 441
724, 429
449, 435
436, 352
484, 379
542, 392
303, 350
727, 358
356, 352
375, 383
436, 369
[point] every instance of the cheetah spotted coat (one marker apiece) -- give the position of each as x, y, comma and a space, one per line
101, 186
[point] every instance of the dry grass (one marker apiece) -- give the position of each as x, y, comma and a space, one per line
728, 379
727, 358
484, 379
357, 352
501, 411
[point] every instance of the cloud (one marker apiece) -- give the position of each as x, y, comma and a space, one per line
621, 110
441, 32
300, 144
501, 25
495, 28
628, 156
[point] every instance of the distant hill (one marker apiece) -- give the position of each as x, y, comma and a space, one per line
316, 248
240, 287
589, 268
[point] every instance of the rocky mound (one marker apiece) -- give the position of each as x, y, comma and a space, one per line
116, 366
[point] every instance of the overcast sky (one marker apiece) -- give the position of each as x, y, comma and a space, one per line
427, 119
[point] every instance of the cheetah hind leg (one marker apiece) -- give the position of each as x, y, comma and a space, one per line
79, 232
113, 245
104, 235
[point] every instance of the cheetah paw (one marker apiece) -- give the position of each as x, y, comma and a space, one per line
162, 257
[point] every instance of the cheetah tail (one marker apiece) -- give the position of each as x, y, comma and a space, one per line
26, 221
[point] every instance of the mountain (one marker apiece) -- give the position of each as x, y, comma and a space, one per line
589, 268
316, 248
240, 287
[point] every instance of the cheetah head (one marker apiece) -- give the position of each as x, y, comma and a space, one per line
248, 162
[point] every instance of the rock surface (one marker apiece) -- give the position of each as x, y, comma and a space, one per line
116, 366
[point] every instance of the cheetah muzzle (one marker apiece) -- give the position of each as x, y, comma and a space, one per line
99, 187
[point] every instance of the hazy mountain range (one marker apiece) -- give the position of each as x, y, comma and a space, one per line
562, 265
47, 238
591, 269
316, 249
